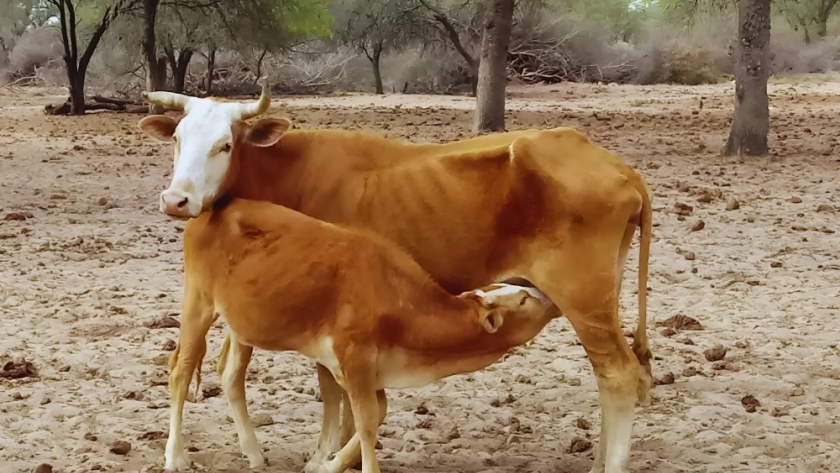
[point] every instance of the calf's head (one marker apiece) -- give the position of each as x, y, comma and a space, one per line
209, 142
518, 311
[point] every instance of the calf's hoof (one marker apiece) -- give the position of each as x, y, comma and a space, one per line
315, 467
176, 462
257, 460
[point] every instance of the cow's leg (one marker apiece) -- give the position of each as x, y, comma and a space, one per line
587, 296
196, 320
349, 455
329, 441
237, 357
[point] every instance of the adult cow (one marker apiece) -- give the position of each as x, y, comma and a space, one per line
545, 206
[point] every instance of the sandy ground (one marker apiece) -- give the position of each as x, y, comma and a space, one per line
87, 263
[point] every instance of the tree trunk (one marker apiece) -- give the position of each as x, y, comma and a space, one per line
179, 65
823, 16
155, 77
180, 72
492, 69
211, 66
77, 94
822, 27
374, 59
751, 122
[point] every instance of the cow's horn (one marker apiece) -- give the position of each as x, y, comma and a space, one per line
167, 100
250, 110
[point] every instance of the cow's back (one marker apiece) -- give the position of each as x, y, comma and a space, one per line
464, 209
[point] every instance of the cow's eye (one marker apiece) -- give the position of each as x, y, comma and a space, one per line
226, 148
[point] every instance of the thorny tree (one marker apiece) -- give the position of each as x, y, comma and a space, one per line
807, 16
75, 63
492, 69
375, 27
751, 122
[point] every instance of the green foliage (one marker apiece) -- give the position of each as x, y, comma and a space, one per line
624, 18
272, 24
15, 17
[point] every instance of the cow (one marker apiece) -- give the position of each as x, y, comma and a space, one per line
543, 207
347, 298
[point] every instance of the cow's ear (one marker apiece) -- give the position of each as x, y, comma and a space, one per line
268, 131
492, 320
161, 127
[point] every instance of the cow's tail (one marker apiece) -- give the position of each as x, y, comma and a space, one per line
221, 361
640, 341
173, 362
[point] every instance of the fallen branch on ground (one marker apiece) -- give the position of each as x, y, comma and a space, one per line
98, 103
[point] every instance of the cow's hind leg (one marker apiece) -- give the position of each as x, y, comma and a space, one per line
640, 344
196, 320
588, 298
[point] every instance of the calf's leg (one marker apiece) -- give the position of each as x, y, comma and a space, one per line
330, 440
196, 319
350, 452
366, 413
232, 370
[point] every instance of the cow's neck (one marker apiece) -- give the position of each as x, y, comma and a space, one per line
303, 174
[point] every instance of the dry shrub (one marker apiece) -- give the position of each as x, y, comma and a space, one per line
677, 63
342, 69
34, 50
790, 55
426, 71
546, 49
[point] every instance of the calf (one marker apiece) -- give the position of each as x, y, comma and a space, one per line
347, 298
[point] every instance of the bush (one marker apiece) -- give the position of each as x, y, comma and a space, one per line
35, 49
677, 63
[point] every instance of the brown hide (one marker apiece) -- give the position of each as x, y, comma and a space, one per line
464, 210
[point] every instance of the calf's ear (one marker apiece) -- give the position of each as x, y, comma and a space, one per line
492, 320
161, 127
268, 131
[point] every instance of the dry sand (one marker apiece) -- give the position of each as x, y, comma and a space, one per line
87, 263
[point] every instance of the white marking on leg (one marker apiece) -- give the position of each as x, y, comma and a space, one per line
617, 408
175, 457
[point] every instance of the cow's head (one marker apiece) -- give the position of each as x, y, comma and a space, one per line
208, 143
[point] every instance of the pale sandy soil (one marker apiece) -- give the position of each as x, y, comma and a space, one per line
93, 263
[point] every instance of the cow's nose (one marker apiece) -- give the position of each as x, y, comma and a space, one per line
174, 203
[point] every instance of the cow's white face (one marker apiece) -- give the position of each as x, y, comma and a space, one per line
206, 143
